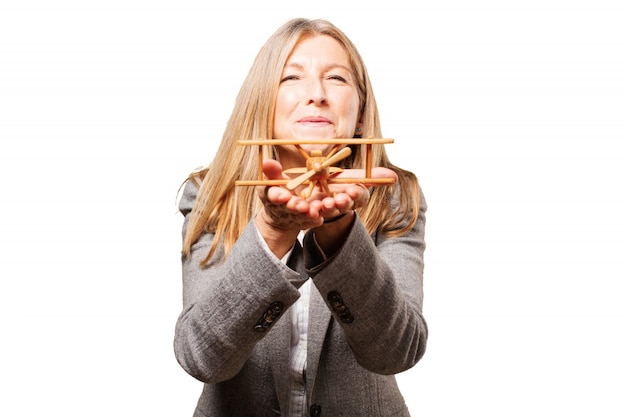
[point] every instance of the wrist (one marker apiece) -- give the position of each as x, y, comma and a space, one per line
278, 240
332, 237
334, 219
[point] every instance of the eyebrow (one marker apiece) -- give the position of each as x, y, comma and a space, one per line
325, 67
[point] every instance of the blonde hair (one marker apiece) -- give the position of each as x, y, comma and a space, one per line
225, 210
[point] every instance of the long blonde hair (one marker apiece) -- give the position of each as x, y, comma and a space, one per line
225, 210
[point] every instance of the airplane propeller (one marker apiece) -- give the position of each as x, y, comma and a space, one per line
319, 167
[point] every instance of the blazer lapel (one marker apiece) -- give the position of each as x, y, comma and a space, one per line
279, 350
319, 319
280, 345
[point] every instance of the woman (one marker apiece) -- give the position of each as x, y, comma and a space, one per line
297, 306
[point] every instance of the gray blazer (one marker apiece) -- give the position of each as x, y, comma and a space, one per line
365, 323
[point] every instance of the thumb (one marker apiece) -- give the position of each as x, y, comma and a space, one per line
273, 170
377, 173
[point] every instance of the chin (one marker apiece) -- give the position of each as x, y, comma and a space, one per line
324, 147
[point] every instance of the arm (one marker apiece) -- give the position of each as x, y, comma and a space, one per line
224, 302
380, 284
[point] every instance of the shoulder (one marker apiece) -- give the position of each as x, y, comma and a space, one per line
406, 205
188, 197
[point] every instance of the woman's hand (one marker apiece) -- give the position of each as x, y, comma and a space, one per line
285, 213
285, 210
348, 197
331, 235
282, 209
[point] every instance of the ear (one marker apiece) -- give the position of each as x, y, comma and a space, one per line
358, 130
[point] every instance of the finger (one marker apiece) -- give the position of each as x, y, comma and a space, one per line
315, 206
297, 205
328, 203
273, 170
273, 195
377, 173
343, 202
381, 172
262, 192
357, 191
360, 195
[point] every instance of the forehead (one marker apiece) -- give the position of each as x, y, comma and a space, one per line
318, 48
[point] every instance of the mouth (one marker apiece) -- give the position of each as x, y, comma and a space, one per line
314, 120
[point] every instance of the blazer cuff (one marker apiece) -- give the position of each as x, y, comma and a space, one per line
314, 257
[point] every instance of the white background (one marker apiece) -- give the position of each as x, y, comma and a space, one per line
512, 114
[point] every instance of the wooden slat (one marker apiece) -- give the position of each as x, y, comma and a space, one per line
351, 141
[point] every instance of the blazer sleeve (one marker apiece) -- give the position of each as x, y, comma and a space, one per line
229, 305
373, 286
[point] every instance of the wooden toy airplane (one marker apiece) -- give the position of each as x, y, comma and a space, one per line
319, 170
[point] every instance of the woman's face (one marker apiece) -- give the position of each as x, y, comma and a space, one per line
317, 97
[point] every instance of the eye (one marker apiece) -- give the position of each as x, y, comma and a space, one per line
289, 78
337, 78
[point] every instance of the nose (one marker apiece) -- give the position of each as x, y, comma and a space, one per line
316, 93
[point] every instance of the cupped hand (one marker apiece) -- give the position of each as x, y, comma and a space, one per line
285, 210
282, 209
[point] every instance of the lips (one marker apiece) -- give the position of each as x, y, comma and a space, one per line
314, 119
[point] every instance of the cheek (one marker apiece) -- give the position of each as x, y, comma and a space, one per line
352, 109
279, 107
283, 110
285, 101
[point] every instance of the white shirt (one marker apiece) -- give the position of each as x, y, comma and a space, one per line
297, 358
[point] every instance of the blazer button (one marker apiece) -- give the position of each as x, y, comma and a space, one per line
269, 317
342, 311
335, 299
277, 307
347, 318
315, 410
